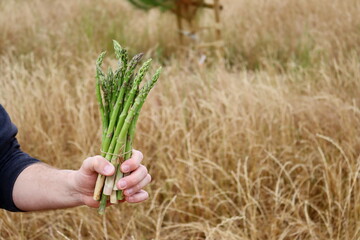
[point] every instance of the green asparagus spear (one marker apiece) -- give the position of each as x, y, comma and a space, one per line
109, 180
120, 102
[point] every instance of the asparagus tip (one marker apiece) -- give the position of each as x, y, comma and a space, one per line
100, 59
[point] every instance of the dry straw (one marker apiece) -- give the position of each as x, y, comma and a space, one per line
269, 146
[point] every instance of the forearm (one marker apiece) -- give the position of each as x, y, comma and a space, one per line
41, 187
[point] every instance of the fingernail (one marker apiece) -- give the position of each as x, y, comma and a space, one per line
129, 191
108, 169
122, 184
125, 168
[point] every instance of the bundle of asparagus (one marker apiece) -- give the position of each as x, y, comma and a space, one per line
120, 99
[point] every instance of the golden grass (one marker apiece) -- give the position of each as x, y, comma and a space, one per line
264, 148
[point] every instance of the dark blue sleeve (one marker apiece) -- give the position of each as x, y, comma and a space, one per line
12, 161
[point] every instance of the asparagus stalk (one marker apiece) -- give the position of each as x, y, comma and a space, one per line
107, 137
129, 74
130, 138
120, 97
106, 141
113, 198
110, 180
131, 120
103, 203
99, 76
105, 146
127, 155
121, 141
120, 101
121, 55
111, 87
103, 113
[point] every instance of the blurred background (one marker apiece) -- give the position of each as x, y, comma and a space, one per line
252, 131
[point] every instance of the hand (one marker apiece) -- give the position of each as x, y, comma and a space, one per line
85, 178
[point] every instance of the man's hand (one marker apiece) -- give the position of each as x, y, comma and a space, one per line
41, 187
85, 178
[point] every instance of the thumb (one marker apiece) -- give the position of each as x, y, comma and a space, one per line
97, 164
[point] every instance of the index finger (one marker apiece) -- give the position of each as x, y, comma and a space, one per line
132, 163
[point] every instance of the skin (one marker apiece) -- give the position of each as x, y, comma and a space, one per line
41, 187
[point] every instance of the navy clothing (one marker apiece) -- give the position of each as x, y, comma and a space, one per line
12, 161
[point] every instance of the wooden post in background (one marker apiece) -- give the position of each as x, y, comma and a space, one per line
179, 22
189, 32
219, 42
217, 19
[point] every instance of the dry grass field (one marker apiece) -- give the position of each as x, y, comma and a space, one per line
263, 146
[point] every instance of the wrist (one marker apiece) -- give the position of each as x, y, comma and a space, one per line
73, 192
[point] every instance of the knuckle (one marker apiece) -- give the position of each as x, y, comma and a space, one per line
141, 156
137, 187
137, 155
88, 160
131, 181
96, 162
99, 159
130, 162
133, 164
87, 163
143, 169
